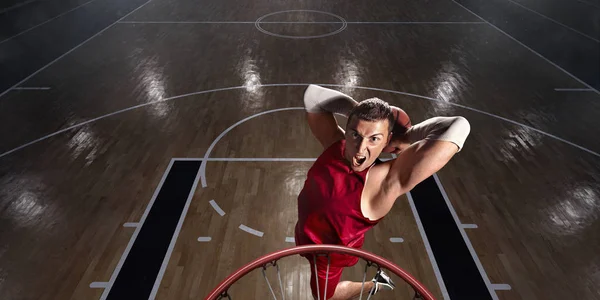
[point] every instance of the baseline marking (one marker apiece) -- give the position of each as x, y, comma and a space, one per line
290, 239
396, 240
131, 224
204, 239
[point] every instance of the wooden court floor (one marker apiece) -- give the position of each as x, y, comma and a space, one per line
82, 158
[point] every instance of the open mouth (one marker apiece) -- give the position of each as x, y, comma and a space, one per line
358, 160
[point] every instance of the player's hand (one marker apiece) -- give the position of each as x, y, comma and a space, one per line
396, 145
399, 141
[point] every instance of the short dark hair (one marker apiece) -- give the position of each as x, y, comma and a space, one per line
373, 109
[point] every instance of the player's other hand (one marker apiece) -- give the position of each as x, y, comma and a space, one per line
399, 141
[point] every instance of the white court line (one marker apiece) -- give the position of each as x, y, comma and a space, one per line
204, 239
573, 90
185, 22
396, 240
99, 285
32, 88
436, 269
501, 287
466, 239
297, 22
38, 25
72, 49
589, 3
533, 51
209, 150
554, 21
265, 159
165, 262
113, 277
131, 224
187, 158
16, 6
298, 84
216, 207
469, 226
290, 239
251, 230
260, 159
415, 23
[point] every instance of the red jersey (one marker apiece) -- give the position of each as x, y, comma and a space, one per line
329, 204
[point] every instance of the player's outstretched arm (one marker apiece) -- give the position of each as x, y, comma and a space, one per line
433, 143
320, 104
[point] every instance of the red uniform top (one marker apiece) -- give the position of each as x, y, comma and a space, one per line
329, 205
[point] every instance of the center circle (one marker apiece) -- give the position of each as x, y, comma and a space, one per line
261, 20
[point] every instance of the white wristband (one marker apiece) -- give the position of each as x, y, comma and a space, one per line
451, 129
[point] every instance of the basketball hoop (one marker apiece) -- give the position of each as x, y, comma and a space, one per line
221, 291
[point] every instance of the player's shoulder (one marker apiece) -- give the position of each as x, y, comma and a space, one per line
378, 173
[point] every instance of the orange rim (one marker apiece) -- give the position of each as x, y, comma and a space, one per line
320, 249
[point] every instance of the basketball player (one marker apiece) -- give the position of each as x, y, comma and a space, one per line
348, 190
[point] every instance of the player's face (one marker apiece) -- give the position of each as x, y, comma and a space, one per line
364, 142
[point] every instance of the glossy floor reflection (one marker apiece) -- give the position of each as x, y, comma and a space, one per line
141, 93
570, 38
